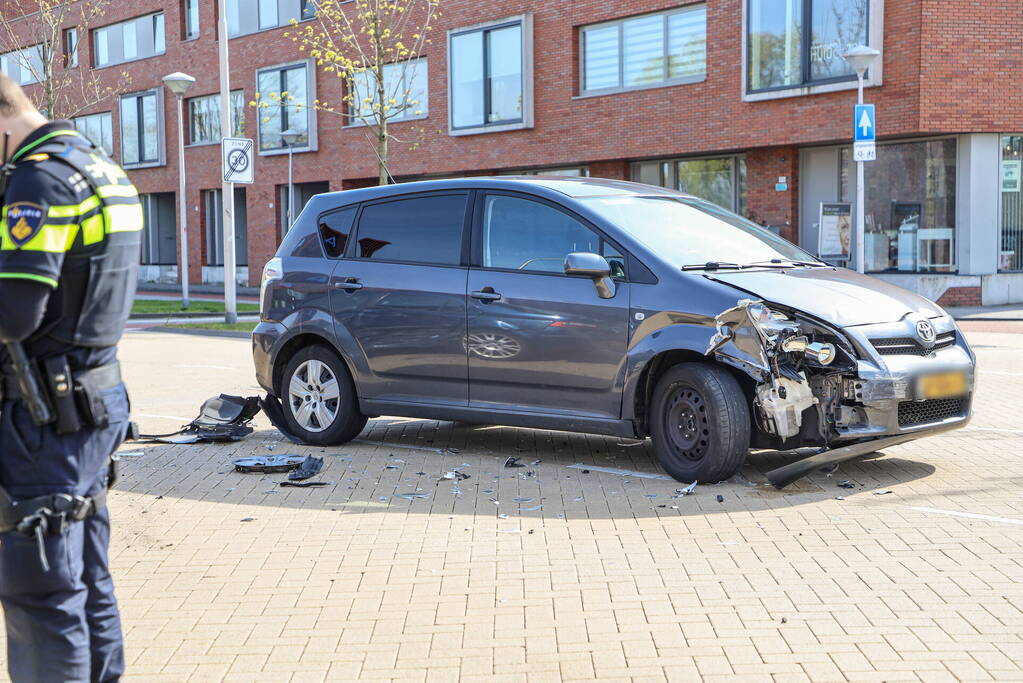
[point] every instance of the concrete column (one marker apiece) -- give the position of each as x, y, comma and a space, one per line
978, 203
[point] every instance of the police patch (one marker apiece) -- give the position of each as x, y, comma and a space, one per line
24, 221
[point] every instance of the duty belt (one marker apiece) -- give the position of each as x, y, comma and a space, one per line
105, 377
46, 515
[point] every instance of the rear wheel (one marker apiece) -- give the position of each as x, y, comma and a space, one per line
700, 423
320, 403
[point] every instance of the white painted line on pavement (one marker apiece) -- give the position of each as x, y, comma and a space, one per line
970, 515
624, 473
163, 417
211, 367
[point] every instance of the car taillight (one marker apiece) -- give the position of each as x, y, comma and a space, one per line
273, 270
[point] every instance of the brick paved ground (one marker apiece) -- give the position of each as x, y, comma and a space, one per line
611, 578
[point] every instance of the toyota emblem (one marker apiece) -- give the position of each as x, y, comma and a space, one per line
926, 331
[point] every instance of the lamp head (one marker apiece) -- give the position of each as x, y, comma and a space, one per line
178, 83
290, 137
861, 58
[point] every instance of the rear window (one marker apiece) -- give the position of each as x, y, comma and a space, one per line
334, 230
425, 229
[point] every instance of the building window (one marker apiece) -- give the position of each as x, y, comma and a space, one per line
795, 43
99, 128
214, 206
159, 234
250, 16
142, 129
1010, 257
129, 40
71, 48
204, 118
641, 52
720, 180
404, 83
911, 206
25, 66
292, 83
567, 172
491, 77
190, 16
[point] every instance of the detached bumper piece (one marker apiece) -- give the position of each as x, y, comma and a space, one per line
783, 476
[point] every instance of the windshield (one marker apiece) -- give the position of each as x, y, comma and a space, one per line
688, 231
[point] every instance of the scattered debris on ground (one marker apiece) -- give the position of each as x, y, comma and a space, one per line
307, 468
682, 493
305, 484
513, 462
846, 484
268, 464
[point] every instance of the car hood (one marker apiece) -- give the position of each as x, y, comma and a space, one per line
839, 296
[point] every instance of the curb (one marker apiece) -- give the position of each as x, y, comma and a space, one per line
230, 334
186, 314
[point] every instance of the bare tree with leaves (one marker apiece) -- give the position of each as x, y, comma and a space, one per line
373, 47
37, 43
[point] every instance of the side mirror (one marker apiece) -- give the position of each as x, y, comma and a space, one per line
592, 266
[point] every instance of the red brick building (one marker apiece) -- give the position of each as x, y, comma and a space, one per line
745, 102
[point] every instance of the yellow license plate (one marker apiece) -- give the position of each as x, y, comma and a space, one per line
942, 385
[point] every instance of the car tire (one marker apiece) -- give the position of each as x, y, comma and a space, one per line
700, 423
326, 411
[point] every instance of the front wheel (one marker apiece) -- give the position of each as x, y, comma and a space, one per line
320, 403
700, 423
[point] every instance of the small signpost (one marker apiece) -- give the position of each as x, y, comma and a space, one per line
865, 133
237, 159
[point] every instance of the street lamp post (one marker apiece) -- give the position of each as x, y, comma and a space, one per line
179, 83
290, 137
860, 58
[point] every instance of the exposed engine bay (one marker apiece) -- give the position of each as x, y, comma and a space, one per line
802, 369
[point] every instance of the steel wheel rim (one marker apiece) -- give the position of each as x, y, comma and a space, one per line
314, 396
687, 423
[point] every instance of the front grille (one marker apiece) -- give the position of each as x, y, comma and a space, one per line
907, 346
912, 413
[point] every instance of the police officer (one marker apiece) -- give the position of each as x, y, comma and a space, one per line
70, 225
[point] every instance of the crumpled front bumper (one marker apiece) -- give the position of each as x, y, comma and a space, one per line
884, 392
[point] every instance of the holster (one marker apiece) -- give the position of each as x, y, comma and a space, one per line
62, 391
90, 401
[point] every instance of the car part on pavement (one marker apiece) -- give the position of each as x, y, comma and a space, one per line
268, 464
222, 418
307, 468
513, 462
305, 484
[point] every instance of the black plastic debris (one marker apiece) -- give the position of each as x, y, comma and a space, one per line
586, 471
536, 462
309, 467
305, 484
268, 464
721, 498
248, 519
845, 484
513, 462
222, 418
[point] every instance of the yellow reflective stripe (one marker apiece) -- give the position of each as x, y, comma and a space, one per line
29, 276
92, 230
53, 239
123, 217
72, 211
108, 191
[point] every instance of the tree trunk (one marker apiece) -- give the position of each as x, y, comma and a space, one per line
384, 176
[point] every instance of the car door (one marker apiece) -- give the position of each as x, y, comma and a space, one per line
398, 296
540, 340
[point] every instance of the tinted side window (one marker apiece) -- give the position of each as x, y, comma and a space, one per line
521, 234
335, 229
420, 229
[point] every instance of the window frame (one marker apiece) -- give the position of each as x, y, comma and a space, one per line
188, 115
161, 148
673, 162
619, 23
75, 120
525, 21
310, 110
476, 256
353, 239
303, 4
156, 53
186, 20
874, 77
353, 120
24, 53
72, 44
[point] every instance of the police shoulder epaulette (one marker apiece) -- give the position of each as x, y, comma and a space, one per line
42, 156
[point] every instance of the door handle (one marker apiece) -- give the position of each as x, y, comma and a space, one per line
350, 284
486, 295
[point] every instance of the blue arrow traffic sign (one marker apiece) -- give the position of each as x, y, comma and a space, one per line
863, 123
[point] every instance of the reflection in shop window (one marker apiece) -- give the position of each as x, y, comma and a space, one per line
911, 206
1010, 257
721, 180
786, 48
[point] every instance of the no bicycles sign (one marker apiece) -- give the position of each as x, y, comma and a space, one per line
237, 159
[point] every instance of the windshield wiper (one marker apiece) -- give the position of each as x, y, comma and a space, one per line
784, 262
712, 265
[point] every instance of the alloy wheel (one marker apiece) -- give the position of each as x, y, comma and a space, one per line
314, 396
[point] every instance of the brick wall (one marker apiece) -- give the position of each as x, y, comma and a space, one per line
938, 54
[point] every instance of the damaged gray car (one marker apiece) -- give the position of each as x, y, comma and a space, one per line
596, 306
